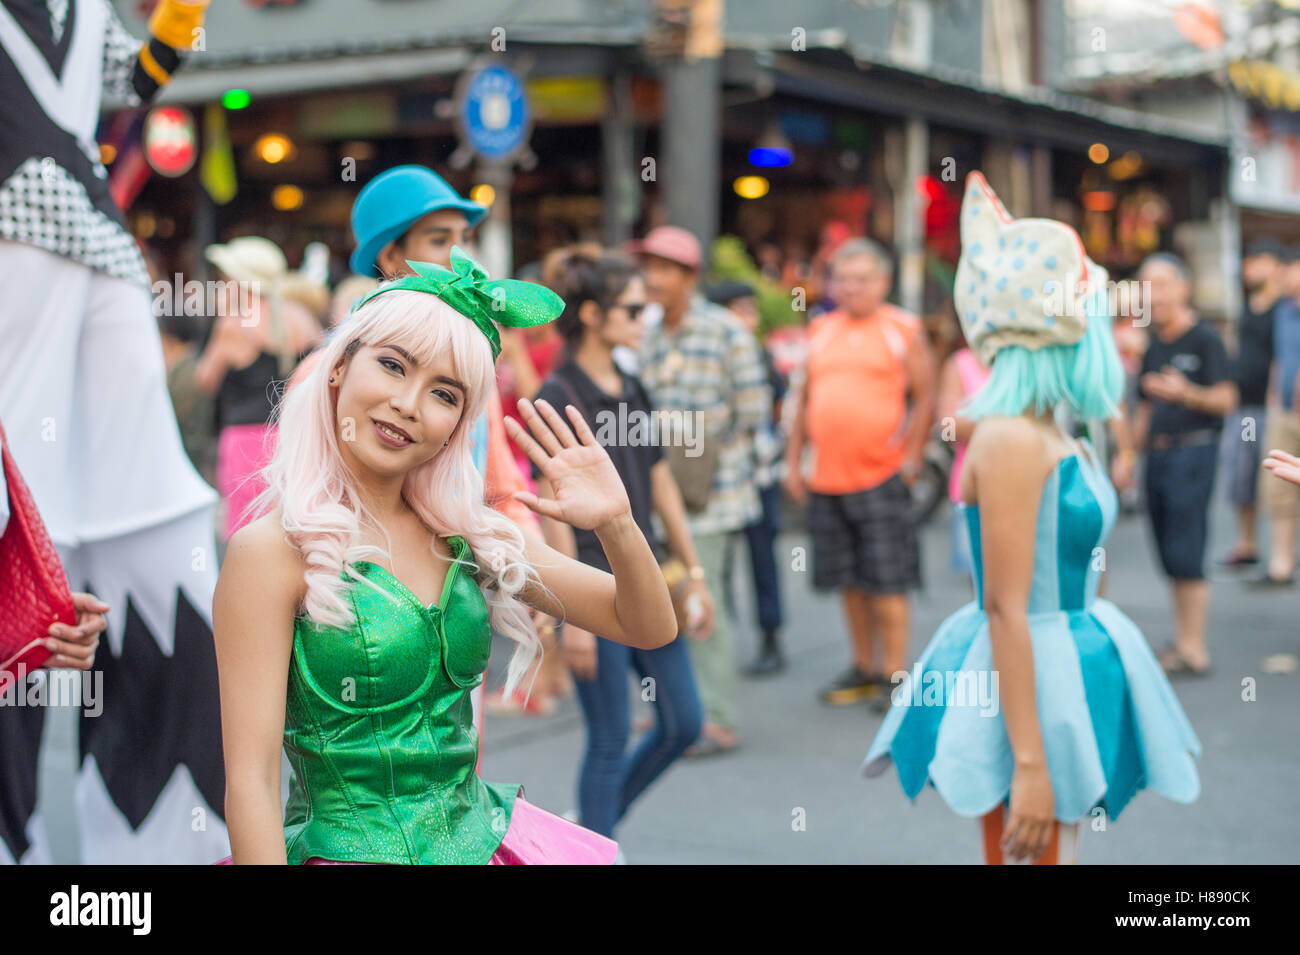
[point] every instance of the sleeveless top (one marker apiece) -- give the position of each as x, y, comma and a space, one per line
248, 395
1076, 515
380, 733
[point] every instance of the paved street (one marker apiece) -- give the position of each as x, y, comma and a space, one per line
799, 754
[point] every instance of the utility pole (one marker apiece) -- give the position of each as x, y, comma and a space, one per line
691, 43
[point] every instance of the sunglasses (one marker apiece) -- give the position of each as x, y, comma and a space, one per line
633, 309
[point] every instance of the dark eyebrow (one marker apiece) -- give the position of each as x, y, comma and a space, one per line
404, 353
415, 364
452, 381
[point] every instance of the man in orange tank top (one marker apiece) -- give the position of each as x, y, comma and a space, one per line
865, 360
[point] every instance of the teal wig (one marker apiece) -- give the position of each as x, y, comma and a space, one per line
1087, 375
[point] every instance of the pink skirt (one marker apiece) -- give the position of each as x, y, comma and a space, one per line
242, 451
534, 837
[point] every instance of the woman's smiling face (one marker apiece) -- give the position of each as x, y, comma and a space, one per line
393, 412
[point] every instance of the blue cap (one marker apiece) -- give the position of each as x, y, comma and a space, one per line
394, 201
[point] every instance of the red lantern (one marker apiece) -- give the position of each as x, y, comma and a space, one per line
169, 141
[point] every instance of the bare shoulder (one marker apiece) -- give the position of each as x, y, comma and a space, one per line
260, 550
1000, 441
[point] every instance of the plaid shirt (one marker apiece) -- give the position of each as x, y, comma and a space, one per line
712, 365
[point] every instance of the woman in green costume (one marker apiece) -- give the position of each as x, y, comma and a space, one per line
353, 618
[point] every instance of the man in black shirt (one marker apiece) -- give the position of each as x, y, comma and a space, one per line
1184, 392
1261, 273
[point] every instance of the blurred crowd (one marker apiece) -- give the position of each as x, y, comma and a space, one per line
848, 412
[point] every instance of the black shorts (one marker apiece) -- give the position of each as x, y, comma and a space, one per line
865, 539
1179, 483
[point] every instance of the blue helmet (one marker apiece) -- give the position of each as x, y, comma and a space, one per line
394, 201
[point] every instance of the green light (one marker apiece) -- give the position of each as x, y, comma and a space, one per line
235, 99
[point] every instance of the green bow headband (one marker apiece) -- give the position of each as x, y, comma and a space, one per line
467, 288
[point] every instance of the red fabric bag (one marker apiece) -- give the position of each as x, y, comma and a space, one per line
34, 590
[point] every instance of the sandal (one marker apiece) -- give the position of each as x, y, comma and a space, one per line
708, 745
1173, 662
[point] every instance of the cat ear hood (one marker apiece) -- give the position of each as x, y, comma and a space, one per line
1019, 281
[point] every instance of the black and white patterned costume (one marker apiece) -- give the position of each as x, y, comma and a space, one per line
84, 402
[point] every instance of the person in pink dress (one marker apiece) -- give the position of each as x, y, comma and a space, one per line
962, 375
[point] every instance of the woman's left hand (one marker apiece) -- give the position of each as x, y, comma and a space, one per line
588, 491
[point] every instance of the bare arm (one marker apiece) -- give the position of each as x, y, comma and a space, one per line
260, 586
1218, 399
666, 498
797, 402
1142, 425
631, 606
920, 375
1122, 431
1008, 499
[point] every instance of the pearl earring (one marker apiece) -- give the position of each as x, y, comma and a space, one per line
331, 379
445, 443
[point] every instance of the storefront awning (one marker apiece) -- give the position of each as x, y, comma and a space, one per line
954, 98
273, 79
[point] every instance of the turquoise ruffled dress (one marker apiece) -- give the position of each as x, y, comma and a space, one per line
1111, 724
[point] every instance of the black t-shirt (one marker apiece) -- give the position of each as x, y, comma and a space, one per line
621, 423
1199, 354
1255, 334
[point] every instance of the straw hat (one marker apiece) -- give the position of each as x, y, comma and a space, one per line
249, 258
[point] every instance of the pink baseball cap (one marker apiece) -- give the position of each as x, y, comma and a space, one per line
672, 243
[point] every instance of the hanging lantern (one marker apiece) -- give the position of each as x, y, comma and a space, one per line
170, 145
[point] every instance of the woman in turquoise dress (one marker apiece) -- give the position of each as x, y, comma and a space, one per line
1038, 704
353, 619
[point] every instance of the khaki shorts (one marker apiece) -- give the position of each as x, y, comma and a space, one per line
1280, 498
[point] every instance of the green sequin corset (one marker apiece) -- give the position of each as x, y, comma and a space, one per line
380, 732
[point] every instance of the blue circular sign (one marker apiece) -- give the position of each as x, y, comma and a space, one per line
495, 113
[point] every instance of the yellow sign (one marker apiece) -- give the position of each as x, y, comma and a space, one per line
1275, 87
567, 98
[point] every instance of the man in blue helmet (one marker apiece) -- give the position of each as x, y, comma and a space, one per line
409, 212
